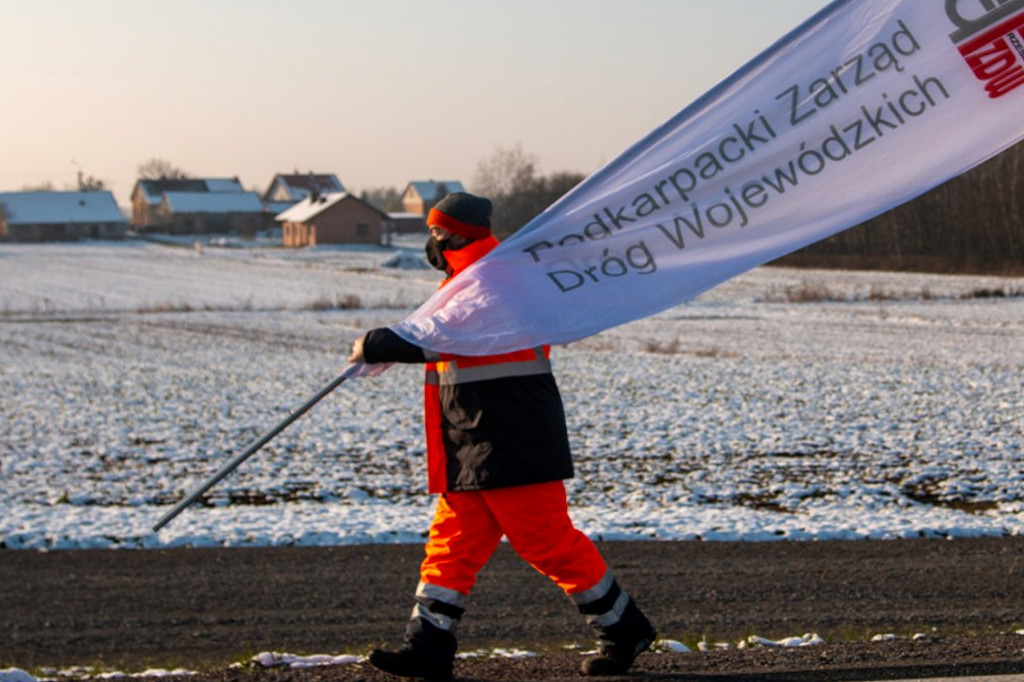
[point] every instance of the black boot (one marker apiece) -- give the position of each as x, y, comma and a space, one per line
429, 649
428, 653
620, 643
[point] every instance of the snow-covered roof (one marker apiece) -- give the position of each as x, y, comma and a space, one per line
429, 189
154, 190
310, 207
213, 202
300, 185
275, 207
59, 208
223, 185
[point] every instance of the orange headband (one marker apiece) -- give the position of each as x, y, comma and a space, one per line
460, 228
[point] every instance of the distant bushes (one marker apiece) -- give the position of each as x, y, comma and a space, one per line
819, 292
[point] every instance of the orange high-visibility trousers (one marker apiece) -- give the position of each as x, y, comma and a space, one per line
468, 526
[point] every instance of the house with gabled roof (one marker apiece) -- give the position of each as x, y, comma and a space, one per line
147, 195
334, 218
421, 195
291, 188
47, 216
211, 212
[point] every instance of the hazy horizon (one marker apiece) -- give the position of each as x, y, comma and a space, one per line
379, 94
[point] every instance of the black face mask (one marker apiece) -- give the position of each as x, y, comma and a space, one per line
435, 253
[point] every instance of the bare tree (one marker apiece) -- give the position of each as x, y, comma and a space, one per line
45, 186
387, 199
160, 169
509, 178
89, 183
504, 172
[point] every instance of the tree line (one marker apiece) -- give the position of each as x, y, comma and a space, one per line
973, 223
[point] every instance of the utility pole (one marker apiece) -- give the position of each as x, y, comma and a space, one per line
81, 184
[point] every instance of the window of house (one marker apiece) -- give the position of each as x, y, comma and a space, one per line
362, 230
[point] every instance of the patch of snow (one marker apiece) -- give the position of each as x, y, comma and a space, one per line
16, 675
671, 646
151, 672
405, 261
496, 653
501, 652
274, 659
705, 645
807, 639
883, 637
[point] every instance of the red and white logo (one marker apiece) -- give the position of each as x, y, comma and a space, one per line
990, 37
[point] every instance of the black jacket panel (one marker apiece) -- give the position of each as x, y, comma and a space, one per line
504, 432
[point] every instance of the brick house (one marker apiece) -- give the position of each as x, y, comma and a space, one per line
51, 216
420, 196
334, 218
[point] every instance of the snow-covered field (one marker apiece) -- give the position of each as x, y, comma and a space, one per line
783, 404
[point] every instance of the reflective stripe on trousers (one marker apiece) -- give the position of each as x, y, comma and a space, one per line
604, 603
439, 606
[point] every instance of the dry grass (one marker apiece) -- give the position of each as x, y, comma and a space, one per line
819, 292
338, 302
675, 347
663, 347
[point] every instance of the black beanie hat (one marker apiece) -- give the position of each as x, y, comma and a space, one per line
464, 214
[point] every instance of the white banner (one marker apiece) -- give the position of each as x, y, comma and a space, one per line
865, 106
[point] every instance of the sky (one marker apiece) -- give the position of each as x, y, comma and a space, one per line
379, 93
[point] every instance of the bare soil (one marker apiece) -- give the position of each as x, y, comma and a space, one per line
203, 609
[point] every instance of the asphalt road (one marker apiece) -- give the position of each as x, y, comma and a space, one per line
205, 608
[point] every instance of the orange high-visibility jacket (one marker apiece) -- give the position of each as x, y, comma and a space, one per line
491, 421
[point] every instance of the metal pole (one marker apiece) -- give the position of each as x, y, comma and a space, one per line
256, 445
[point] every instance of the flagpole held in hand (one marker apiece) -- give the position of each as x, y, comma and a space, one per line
352, 370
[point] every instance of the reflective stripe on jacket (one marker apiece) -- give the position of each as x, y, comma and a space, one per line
462, 370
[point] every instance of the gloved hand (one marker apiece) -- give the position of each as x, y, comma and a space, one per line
357, 351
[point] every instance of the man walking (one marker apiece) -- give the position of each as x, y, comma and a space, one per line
497, 455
